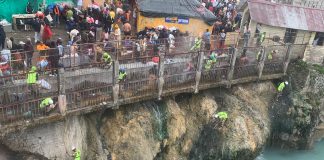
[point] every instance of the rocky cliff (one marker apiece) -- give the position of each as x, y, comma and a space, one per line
298, 114
179, 127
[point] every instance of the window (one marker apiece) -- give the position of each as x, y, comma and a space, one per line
290, 35
319, 39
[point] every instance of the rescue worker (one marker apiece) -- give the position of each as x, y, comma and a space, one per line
261, 38
122, 75
47, 104
258, 56
197, 44
212, 59
32, 78
76, 154
222, 116
282, 86
106, 58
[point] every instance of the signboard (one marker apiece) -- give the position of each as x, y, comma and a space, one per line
171, 19
183, 20
179, 20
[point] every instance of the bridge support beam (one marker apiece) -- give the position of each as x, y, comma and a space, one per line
161, 78
199, 70
115, 84
287, 58
62, 97
233, 52
261, 62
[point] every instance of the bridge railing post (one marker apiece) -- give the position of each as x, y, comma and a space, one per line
62, 96
199, 70
233, 52
261, 61
115, 75
161, 76
287, 58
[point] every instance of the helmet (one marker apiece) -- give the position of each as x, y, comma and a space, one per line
286, 82
33, 68
50, 101
73, 148
105, 55
122, 69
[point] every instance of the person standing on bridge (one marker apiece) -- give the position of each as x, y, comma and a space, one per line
106, 58
212, 60
47, 104
32, 78
122, 75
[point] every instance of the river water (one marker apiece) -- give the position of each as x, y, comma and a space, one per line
317, 153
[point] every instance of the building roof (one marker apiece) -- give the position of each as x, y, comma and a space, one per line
287, 16
175, 8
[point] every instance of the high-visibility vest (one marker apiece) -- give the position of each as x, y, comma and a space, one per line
262, 37
106, 57
270, 56
121, 76
213, 57
222, 115
208, 64
31, 77
197, 44
77, 155
45, 102
281, 86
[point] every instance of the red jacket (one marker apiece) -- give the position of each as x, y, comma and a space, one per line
56, 10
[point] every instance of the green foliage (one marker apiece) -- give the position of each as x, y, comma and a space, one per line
318, 68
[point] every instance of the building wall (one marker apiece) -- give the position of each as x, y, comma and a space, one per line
273, 31
195, 27
303, 37
87, 2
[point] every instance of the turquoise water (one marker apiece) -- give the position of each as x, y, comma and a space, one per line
317, 153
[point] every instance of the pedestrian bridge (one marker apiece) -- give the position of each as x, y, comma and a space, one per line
81, 90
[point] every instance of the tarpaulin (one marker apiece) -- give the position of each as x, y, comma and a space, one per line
10, 7
175, 8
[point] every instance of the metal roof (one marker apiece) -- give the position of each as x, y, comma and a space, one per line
287, 16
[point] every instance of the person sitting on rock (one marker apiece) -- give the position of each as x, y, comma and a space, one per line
76, 154
282, 86
222, 116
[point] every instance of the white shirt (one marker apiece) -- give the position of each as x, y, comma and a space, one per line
80, 2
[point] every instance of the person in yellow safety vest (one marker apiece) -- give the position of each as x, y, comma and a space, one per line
47, 104
122, 74
32, 76
212, 59
282, 86
106, 58
222, 116
262, 37
76, 153
270, 56
197, 44
258, 55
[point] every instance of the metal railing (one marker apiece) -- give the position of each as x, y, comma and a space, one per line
93, 85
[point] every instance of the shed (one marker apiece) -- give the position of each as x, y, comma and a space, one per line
292, 24
186, 15
10, 7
